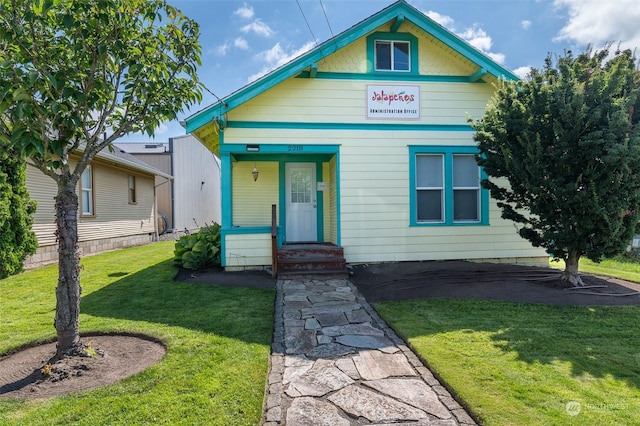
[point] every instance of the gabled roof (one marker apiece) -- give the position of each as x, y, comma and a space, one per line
398, 11
123, 159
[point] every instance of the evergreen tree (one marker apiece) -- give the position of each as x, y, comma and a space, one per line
17, 240
562, 152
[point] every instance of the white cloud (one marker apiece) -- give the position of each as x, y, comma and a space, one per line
245, 11
222, 49
277, 56
444, 20
523, 72
478, 38
597, 22
525, 24
259, 28
241, 43
474, 35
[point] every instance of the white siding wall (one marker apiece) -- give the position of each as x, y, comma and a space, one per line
192, 165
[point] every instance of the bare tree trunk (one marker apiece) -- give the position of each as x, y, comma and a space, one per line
67, 322
570, 273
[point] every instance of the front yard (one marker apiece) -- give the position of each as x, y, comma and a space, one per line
218, 342
512, 363
517, 364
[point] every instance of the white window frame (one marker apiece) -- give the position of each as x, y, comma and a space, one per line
87, 208
392, 52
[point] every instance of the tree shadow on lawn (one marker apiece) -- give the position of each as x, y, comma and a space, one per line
597, 341
152, 295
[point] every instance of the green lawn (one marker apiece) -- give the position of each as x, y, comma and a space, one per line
524, 364
218, 343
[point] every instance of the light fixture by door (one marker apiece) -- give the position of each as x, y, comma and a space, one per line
255, 172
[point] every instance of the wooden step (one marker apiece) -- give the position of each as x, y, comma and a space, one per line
311, 260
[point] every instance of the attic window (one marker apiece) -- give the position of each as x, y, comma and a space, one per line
392, 56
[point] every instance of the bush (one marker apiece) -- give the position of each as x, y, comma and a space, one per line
199, 250
17, 240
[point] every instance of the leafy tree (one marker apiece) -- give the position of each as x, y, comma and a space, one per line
75, 75
562, 150
17, 240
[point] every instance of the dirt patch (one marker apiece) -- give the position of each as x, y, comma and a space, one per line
117, 356
489, 281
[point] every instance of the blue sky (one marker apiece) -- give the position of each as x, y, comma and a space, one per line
242, 40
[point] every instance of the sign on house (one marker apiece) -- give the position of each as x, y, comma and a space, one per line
393, 102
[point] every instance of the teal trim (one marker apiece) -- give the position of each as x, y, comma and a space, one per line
225, 201
314, 70
319, 203
291, 149
477, 76
447, 152
413, 53
282, 199
247, 230
338, 198
400, 8
343, 126
397, 23
392, 76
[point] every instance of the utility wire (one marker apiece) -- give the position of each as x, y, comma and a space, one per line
315, 40
326, 18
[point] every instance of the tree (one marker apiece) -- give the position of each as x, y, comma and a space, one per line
562, 152
17, 240
75, 75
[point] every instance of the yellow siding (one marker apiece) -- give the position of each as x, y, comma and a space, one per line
374, 199
247, 250
344, 101
373, 165
252, 200
434, 57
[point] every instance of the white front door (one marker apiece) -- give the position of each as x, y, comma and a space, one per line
301, 197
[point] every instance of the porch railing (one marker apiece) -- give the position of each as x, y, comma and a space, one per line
274, 243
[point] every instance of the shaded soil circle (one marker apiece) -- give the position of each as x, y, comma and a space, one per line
117, 356
488, 281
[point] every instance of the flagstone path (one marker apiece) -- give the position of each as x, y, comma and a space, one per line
335, 362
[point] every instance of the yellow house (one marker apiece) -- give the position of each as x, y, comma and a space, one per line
363, 143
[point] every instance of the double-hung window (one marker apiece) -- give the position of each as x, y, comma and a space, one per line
445, 187
132, 189
86, 192
392, 53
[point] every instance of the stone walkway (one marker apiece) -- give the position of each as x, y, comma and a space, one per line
335, 362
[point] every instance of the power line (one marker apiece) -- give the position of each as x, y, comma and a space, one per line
315, 40
326, 18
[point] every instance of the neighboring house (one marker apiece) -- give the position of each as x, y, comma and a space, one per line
117, 206
192, 198
363, 142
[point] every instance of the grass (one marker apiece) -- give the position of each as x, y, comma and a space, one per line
516, 363
218, 342
621, 267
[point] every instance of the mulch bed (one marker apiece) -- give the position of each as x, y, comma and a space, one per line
452, 279
488, 281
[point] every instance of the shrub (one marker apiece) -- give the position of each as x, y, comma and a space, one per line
199, 250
